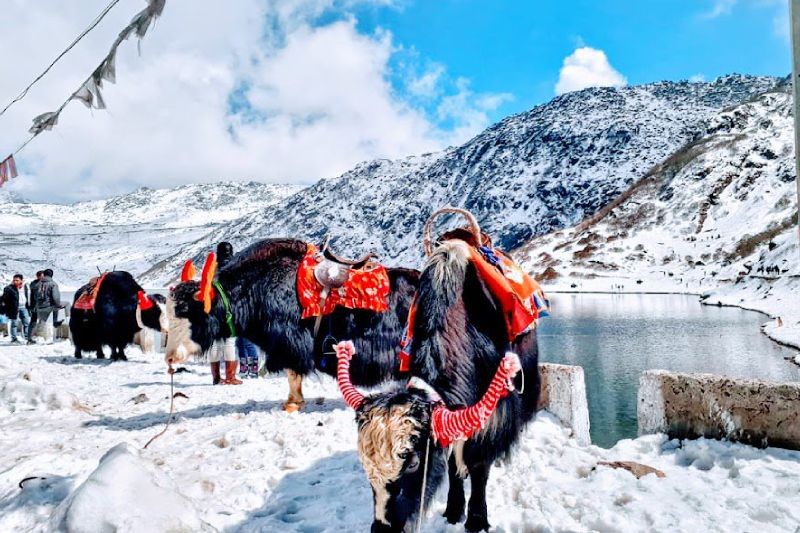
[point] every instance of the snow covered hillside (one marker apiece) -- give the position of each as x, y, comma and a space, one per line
133, 232
525, 176
719, 215
233, 461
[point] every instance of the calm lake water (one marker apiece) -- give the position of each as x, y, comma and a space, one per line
615, 337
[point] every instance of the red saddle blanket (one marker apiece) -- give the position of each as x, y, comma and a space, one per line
86, 300
365, 288
520, 296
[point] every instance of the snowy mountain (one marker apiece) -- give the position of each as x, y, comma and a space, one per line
719, 211
132, 232
527, 175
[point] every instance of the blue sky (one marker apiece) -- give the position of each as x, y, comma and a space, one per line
518, 46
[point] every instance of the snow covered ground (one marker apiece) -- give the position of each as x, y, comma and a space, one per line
234, 461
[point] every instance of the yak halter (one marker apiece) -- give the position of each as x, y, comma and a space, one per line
447, 425
227, 304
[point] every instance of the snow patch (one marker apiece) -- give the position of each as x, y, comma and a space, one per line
124, 495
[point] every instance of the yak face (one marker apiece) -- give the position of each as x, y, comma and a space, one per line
393, 434
155, 317
191, 329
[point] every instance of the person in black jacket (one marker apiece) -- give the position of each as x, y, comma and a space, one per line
48, 301
32, 304
15, 302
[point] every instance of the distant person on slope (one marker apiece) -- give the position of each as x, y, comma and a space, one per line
15, 303
48, 301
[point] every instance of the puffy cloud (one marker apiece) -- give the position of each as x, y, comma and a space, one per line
239, 90
587, 67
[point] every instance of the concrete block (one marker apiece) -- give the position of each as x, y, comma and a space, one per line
563, 394
754, 412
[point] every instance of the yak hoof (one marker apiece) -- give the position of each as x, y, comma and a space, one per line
78, 355
453, 517
290, 406
101, 356
477, 523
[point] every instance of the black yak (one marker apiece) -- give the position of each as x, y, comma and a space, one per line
464, 343
108, 312
260, 284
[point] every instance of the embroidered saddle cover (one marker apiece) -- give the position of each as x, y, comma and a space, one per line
87, 300
366, 287
521, 298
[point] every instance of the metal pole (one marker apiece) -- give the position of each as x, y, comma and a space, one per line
794, 15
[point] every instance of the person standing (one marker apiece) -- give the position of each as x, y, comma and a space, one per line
248, 358
15, 301
32, 305
224, 349
48, 301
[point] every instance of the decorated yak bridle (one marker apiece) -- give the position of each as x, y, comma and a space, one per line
209, 287
447, 425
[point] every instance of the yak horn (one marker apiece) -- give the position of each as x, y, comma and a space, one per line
206, 292
450, 426
145, 302
188, 272
344, 352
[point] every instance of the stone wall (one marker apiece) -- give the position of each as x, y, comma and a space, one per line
564, 395
754, 412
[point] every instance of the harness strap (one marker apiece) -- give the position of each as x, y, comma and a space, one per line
227, 304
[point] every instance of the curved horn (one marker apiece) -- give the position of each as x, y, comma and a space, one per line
344, 352
188, 272
206, 291
145, 302
449, 426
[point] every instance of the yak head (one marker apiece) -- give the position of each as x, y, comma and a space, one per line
403, 435
192, 326
151, 311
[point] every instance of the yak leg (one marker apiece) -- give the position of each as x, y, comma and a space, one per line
121, 354
477, 517
296, 400
100, 354
454, 512
78, 354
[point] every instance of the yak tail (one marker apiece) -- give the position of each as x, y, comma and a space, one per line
440, 294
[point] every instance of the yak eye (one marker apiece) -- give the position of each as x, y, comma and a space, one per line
413, 464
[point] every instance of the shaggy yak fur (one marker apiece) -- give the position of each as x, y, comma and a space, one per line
261, 283
459, 339
113, 321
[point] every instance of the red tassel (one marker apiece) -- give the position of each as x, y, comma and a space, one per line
145, 302
405, 362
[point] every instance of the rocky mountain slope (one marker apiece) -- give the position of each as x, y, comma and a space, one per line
721, 208
131, 232
527, 175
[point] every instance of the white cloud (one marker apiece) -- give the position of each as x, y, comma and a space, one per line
467, 112
428, 84
587, 67
697, 78
311, 100
718, 9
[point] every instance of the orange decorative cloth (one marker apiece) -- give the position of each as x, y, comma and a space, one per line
86, 300
366, 288
521, 298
